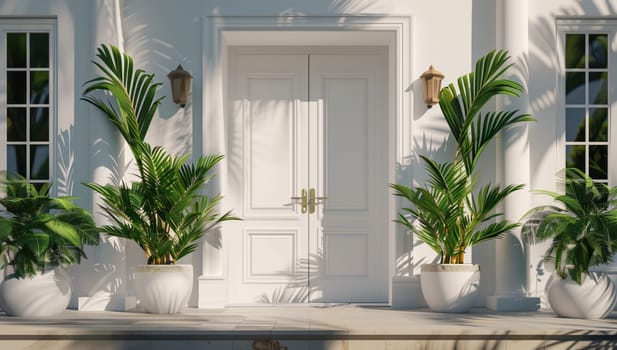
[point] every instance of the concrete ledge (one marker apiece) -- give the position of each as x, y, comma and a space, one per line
512, 303
106, 303
306, 328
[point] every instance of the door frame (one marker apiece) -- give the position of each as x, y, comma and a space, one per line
221, 32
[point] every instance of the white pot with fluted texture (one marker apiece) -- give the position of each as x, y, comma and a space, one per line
450, 287
43, 295
594, 298
163, 289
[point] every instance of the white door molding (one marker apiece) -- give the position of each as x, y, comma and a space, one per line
220, 32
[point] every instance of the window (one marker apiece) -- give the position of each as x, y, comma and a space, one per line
27, 107
587, 108
587, 104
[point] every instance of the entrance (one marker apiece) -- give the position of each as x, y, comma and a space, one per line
308, 174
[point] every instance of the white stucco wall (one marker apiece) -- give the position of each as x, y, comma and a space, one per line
160, 34
544, 63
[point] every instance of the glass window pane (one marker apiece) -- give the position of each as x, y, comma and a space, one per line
16, 87
598, 53
16, 159
598, 88
16, 124
16, 50
39, 87
575, 50
39, 124
575, 157
598, 124
575, 88
39, 50
575, 124
598, 162
39, 162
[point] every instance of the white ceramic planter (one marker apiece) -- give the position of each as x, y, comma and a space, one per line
163, 289
594, 298
450, 287
43, 295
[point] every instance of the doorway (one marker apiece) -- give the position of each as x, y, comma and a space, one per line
308, 174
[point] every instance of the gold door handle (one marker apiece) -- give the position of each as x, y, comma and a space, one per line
303, 201
313, 201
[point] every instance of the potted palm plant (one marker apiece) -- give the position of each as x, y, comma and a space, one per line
165, 211
39, 235
583, 234
452, 212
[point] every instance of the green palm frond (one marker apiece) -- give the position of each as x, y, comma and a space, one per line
471, 129
134, 105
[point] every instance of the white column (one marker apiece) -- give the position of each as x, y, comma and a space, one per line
510, 261
212, 284
104, 276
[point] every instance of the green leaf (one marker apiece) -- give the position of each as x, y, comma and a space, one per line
64, 230
36, 242
6, 228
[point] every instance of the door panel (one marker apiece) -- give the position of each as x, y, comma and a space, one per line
269, 145
349, 232
345, 129
267, 140
315, 123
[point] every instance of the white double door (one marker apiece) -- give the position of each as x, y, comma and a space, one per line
308, 175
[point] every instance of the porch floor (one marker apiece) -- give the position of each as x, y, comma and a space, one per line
343, 327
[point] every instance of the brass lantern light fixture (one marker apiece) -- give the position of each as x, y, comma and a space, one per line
432, 85
180, 85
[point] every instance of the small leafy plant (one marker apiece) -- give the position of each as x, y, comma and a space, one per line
583, 228
39, 232
452, 212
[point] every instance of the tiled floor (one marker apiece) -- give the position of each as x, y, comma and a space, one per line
302, 327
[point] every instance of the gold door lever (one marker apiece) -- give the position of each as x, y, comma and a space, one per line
313, 201
303, 201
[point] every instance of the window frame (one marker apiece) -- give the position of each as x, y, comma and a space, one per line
588, 26
31, 25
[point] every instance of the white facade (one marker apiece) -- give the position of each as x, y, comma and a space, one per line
205, 36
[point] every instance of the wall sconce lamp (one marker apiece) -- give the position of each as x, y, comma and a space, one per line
180, 85
432, 85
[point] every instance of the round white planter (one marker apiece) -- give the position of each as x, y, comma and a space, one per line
163, 289
594, 298
450, 287
43, 295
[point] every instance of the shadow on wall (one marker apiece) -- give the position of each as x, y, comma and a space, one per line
431, 137
95, 276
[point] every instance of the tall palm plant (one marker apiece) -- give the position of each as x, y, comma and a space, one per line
451, 210
165, 211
